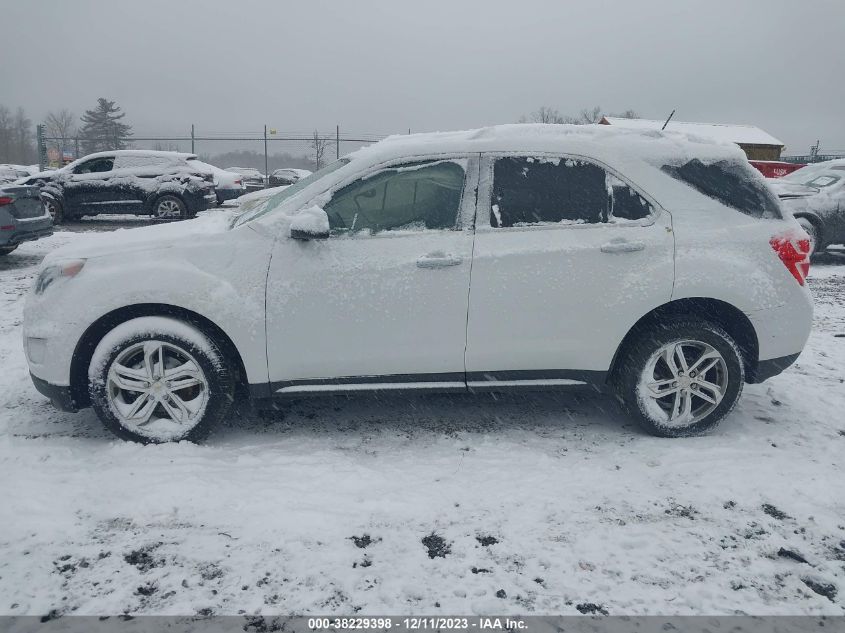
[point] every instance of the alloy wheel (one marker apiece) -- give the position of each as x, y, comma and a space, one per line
168, 210
683, 382
157, 390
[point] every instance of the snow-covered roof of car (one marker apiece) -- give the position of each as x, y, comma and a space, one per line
744, 134
141, 152
602, 142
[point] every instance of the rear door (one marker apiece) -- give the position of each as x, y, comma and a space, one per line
136, 177
567, 257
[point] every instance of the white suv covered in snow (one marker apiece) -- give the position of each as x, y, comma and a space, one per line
653, 264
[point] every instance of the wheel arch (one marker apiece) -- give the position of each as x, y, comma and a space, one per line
154, 197
98, 329
721, 313
817, 222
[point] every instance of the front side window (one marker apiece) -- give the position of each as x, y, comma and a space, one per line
534, 191
95, 166
733, 183
419, 196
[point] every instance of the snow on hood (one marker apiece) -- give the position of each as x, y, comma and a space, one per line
159, 236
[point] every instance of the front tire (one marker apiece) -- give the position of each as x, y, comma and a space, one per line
54, 208
169, 208
158, 379
680, 378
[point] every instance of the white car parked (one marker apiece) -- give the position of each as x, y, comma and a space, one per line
516, 257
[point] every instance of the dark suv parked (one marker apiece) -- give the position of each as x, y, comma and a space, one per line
161, 184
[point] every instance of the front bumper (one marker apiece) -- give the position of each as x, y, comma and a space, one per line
60, 397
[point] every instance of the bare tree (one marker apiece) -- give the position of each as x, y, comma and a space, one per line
5, 134
546, 114
22, 145
627, 114
320, 144
61, 125
590, 115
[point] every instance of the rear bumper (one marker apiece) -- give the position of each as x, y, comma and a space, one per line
60, 397
201, 200
26, 231
229, 194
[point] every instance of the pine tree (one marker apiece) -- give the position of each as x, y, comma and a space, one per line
102, 128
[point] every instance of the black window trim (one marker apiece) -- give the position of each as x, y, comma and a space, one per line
465, 217
485, 193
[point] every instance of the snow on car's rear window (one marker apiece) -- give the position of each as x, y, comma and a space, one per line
731, 183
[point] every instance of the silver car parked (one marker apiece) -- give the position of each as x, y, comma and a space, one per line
22, 217
815, 195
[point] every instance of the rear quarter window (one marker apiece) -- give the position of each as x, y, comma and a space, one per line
731, 183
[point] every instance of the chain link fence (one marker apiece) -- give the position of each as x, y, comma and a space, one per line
266, 150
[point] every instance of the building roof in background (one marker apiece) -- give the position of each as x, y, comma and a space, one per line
740, 134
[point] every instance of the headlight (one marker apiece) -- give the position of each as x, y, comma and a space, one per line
66, 269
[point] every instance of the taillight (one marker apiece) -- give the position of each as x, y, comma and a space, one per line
5, 200
795, 255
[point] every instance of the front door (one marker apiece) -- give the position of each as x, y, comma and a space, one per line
381, 303
567, 258
88, 186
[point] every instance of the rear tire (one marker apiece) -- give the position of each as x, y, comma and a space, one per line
158, 379
169, 208
680, 378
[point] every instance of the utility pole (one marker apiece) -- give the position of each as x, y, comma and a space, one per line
337, 141
266, 164
192, 139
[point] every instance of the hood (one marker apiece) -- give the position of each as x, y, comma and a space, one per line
788, 190
147, 238
43, 174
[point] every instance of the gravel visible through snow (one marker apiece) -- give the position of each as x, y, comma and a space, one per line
534, 503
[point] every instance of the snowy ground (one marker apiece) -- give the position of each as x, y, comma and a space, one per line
534, 504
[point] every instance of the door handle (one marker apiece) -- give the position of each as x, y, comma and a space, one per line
621, 245
438, 260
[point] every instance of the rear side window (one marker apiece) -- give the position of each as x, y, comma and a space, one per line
134, 162
731, 183
530, 191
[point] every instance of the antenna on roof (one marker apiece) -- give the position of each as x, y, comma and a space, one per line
667, 121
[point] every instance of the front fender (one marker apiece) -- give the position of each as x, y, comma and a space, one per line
222, 280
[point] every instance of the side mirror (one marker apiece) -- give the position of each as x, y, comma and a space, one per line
310, 224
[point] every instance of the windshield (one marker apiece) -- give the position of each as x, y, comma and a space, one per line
815, 176
273, 201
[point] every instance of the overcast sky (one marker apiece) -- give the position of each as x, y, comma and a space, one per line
381, 67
